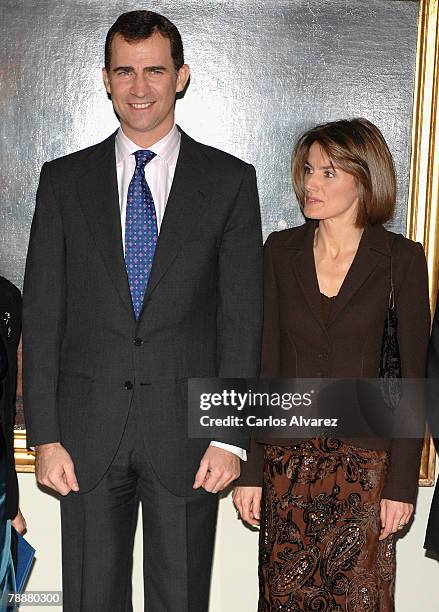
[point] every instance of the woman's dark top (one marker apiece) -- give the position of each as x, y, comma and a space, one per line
327, 307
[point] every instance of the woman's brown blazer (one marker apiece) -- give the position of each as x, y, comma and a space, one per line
297, 343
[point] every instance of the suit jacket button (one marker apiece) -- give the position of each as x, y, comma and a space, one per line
128, 385
137, 341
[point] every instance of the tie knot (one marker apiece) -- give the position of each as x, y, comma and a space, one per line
143, 156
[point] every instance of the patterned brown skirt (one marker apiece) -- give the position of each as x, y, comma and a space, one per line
320, 522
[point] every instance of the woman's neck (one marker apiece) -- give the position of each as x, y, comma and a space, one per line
334, 238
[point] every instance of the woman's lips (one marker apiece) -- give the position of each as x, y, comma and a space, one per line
309, 200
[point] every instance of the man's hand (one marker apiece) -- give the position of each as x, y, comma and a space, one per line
54, 468
18, 523
247, 501
218, 468
394, 516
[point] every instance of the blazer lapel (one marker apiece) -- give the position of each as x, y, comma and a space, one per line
189, 192
373, 244
302, 260
99, 200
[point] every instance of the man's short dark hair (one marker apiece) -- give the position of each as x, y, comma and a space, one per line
138, 25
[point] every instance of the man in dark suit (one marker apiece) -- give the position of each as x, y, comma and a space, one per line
144, 269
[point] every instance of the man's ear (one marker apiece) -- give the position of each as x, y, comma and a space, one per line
182, 78
106, 80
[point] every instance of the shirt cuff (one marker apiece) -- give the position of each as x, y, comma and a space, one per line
236, 450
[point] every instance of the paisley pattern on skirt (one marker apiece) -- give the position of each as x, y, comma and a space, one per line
320, 522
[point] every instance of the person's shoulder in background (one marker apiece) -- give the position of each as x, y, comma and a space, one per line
10, 309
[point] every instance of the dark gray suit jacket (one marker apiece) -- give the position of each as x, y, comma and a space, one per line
85, 354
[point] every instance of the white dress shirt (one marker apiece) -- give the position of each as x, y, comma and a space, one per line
159, 174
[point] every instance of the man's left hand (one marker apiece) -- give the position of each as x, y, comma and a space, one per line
218, 468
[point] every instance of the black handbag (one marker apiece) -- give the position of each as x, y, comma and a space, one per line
390, 360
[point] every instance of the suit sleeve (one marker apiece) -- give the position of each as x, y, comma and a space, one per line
413, 311
239, 290
252, 469
239, 312
43, 315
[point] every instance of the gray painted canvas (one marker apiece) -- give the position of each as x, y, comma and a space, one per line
262, 72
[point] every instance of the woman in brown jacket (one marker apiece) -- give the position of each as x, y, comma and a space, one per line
330, 506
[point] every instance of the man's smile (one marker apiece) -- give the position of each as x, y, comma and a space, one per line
140, 105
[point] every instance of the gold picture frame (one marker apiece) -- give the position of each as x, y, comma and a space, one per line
422, 211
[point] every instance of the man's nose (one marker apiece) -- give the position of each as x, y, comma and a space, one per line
140, 85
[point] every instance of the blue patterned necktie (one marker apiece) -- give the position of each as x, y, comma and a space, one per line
140, 231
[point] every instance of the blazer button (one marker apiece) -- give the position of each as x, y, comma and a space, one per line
137, 341
128, 385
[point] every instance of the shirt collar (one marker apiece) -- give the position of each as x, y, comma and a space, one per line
167, 148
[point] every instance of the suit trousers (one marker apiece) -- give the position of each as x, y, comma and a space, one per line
98, 530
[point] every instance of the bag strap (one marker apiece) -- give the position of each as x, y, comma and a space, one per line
391, 240
392, 288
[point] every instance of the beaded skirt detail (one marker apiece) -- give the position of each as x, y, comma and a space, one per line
320, 522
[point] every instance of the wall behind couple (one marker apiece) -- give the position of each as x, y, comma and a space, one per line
262, 72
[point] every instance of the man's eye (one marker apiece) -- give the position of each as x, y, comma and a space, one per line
156, 71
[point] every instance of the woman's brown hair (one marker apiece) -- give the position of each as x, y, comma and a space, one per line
358, 147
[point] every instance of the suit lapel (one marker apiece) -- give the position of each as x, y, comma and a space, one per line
99, 200
372, 245
302, 259
189, 192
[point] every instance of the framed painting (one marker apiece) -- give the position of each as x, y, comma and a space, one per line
260, 76
423, 202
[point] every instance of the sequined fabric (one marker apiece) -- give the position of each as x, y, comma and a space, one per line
319, 548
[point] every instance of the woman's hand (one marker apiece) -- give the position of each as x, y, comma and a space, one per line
18, 523
247, 501
394, 516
